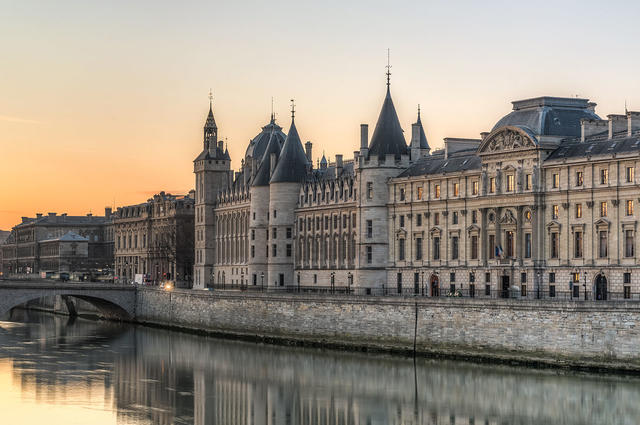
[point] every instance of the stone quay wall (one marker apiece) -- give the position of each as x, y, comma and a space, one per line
590, 335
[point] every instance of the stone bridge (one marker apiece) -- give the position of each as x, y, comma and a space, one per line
113, 301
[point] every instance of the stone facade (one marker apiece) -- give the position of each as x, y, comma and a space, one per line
155, 239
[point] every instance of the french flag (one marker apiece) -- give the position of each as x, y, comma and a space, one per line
499, 251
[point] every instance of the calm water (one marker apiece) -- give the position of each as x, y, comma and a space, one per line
57, 371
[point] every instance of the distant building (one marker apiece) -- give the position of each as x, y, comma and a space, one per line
53, 243
155, 239
544, 204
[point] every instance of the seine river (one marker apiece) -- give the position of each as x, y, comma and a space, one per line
55, 370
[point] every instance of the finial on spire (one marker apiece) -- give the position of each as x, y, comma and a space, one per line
388, 68
293, 109
210, 98
272, 117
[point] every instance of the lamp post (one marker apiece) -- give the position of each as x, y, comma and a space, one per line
422, 281
333, 280
539, 283
585, 286
349, 282
298, 281
262, 281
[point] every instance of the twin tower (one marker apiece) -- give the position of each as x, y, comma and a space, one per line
252, 227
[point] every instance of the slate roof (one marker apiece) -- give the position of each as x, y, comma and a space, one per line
68, 237
210, 122
423, 137
219, 154
388, 137
329, 173
573, 149
258, 144
263, 174
292, 164
438, 164
66, 220
549, 116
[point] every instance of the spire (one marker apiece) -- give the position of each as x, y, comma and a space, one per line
292, 165
263, 174
388, 137
388, 70
293, 110
210, 123
423, 137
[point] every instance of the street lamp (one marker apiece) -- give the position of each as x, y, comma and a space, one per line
422, 281
349, 282
262, 280
333, 280
585, 286
539, 284
298, 281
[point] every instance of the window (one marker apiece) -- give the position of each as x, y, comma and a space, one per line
487, 277
326, 222
474, 216
436, 191
603, 209
629, 244
288, 250
527, 245
402, 221
402, 193
369, 190
487, 290
552, 291
281, 279
274, 250
369, 228
455, 217
401, 249
627, 277
452, 277
627, 292
629, 207
456, 189
344, 220
472, 277
604, 176
578, 210
474, 187
510, 182
420, 192
274, 213
492, 246
418, 248
436, 247
253, 233
436, 219
523, 290
492, 185
523, 278
274, 233
579, 178
288, 232
630, 174
577, 244
474, 247
510, 241
315, 278
603, 246
253, 251
555, 212
335, 221
369, 254
472, 290
555, 245
556, 180
454, 248
527, 182
418, 219
552, 277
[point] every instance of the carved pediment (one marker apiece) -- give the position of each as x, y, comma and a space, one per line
435, 231
602, 223
553, 225
401, 233
507, 139
473, 229
508, 218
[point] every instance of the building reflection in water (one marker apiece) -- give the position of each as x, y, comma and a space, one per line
147, 375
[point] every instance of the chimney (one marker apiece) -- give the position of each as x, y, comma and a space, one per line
52, 214
25, 219
65, 214
591, 127
307, 150
617, 123
107, 212
338, 165
88, 215
221, 145
272, 158
364, 136
38, 215
633, 122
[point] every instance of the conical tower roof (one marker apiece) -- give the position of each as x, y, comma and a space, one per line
423, 137
211, 121
292, 165
388, 137
264, 169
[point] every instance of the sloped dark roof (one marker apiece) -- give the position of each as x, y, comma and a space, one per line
575, 149
292, 164
258, 144
549, 116
264, 169
460, 161
218, 154
423, 137
68, 237
388, 137
329, 173
210, 122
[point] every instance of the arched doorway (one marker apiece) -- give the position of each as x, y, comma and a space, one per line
435, 286
601, 288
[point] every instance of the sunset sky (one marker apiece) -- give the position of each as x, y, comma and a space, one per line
102, 103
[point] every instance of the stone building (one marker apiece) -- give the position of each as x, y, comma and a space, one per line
155, 239
541, 205
28, 249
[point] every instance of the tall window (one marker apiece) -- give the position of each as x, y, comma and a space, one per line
288, 250
579, 178
454, 248
629, 207
474, 187
577, 244
474, 216
510, 182
629, 244
455, 217
555, 245
369, 190
436, 191
630, 172
456, 189
369, 254
509, 236
603, 209
474, 247
603, 245
418, 248
604, 176
492, 185
436, 219
402, 193
527, 245
420, 193
578, 210
418, 219
492, 246
436, 247
555, 212
556, 180
528, 182
369, 228
402, 221
401, 249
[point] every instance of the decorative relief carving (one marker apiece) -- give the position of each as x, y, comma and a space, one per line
508, 218
615, 202
589, 204
508, 140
